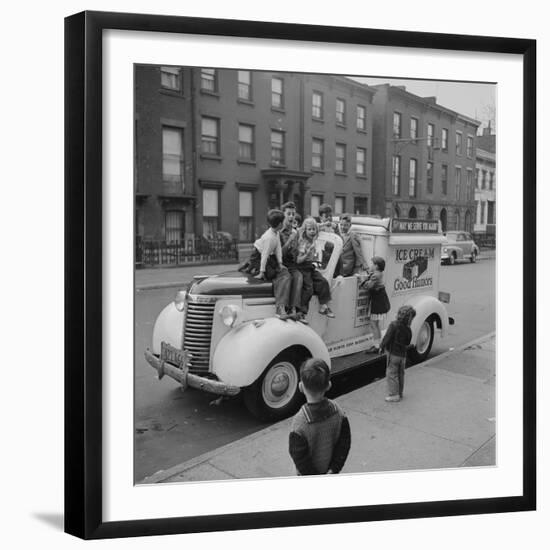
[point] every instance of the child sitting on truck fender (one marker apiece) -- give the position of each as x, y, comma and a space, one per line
320, 437
396, 342
313, 281
266, 262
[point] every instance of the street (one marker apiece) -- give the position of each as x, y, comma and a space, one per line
172, 426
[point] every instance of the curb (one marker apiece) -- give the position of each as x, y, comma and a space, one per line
163, 475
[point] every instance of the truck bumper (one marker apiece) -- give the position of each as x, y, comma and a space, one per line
185, 378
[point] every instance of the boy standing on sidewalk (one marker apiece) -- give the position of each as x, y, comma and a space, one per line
396, 342
320, 436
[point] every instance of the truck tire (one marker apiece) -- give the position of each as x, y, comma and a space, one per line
452, 258
424, 342
473, 257
275, 395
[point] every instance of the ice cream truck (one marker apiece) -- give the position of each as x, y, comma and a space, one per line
221, 334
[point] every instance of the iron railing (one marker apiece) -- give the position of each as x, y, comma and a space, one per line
199, 250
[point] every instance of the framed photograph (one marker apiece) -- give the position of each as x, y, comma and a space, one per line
265, 224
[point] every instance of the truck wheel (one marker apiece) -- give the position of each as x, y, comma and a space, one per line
473, 257
275, 395
452, 258
424, 342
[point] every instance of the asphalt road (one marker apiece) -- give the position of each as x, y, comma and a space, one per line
172, 426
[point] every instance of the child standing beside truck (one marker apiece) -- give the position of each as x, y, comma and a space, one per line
320, 437
379, 303
396, 342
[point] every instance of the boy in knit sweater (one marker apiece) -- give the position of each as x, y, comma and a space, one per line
320, 436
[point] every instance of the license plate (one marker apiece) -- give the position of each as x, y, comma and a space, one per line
175, 356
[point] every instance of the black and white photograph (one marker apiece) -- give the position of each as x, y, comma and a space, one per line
315, 274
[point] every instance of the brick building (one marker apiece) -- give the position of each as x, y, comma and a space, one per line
423, 159
485, 193
214, 149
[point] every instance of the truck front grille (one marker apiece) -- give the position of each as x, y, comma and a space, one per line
197, 335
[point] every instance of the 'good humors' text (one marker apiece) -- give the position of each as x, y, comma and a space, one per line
404, 284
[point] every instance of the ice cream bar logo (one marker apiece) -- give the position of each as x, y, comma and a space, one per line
415, 268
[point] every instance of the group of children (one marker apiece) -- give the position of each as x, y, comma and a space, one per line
287, 255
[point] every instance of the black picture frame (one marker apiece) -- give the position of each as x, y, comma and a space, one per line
83, 273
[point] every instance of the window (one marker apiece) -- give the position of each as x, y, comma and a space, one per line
244, 85
172, 155
174, 227
483, 179
316, 201
445, 139
444, 178
430, 177
210, 209
396, 175
412, 213
277, 147
470, 147
490, 212
361, 162
412, 178
209, 81
210, 136
482, 219
396, 125
469, 193
491, 180
478, 175
361, 117
431, 133
414, 128
339, 205
340, 158
246, 142
458, 143
458, 176
318, 154
360, 205
246, 217
170, 78
317, 105
340, 111
277, 99
429, 213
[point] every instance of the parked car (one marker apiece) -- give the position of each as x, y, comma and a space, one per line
458, 245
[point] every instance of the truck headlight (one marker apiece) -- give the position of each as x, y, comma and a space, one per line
229, 314
444, 250
179, 300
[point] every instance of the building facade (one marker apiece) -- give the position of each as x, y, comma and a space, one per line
423, 159
215, 149
486, 183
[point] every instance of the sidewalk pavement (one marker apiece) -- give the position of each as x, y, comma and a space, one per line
168, 277
445, 420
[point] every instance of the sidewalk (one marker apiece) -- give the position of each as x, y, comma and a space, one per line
446, 420
167, 277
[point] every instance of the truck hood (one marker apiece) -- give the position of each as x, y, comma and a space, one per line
233, 283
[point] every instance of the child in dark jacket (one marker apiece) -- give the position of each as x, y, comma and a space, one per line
396, 342
320, 437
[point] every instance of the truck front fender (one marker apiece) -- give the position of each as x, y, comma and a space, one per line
168, 328
426, 306
243, 354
